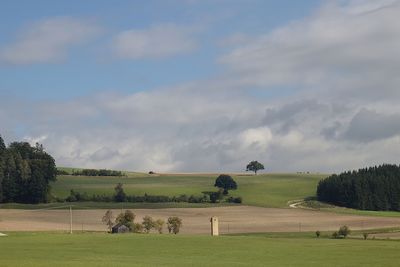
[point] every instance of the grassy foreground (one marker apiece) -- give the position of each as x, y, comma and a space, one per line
266, 190
89, 249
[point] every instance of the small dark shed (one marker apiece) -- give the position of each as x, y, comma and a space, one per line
119, 229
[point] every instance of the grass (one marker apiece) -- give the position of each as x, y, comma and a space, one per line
90, 249
313, 204
265, 190
110, 205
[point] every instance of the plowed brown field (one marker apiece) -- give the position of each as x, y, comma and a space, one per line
240, 219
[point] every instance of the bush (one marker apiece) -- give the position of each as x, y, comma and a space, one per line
174, 224
237, 200
335, 235
148, 224
318, 233
344, 231
365, 235
137, 228
159, 225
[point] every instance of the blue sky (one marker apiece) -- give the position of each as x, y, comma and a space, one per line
91, 67
191, 85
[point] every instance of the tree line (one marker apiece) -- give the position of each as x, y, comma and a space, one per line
373, 188
90, 172
120, 196
25, 173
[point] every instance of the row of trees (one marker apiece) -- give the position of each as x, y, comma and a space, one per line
127, 218
25, 173
374, 188
121, 196
94, 172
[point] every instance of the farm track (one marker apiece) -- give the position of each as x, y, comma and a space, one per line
238, 219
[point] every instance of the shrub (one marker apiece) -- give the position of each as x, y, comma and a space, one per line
335, 235
137, 228
237, 200
318, 233
174, 224
158, 225
365, 235
148, 223
344, 231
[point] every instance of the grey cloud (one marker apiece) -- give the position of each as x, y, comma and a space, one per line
104, 153
332, 131
368, 126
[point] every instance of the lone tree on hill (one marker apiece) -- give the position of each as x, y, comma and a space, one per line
226, 183
254, 166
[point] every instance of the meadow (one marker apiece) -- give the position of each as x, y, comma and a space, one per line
264, 190
96, 249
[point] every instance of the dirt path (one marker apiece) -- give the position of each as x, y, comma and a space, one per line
240, 219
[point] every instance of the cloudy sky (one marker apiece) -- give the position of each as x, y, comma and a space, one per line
194, 86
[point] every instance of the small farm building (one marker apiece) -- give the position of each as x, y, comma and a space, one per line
120, 228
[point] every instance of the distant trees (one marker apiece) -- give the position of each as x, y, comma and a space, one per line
254, 166
225, 182
94, 172
374, 188
174, 224
119, 195
25, 173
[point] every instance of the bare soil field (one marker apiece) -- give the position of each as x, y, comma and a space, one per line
239, 219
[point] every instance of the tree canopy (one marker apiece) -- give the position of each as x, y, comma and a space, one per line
254, 166
226, 183
25, 173
374, 188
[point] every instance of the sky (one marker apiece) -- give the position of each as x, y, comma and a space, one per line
203, 86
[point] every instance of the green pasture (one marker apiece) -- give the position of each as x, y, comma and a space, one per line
94, 249
266, 190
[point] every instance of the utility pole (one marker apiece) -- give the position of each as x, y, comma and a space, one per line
70, 219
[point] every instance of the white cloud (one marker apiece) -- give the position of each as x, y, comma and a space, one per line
346, 48
343, 61
155, 42
47, 41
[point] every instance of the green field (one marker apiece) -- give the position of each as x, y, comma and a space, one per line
266, 190
89, 249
